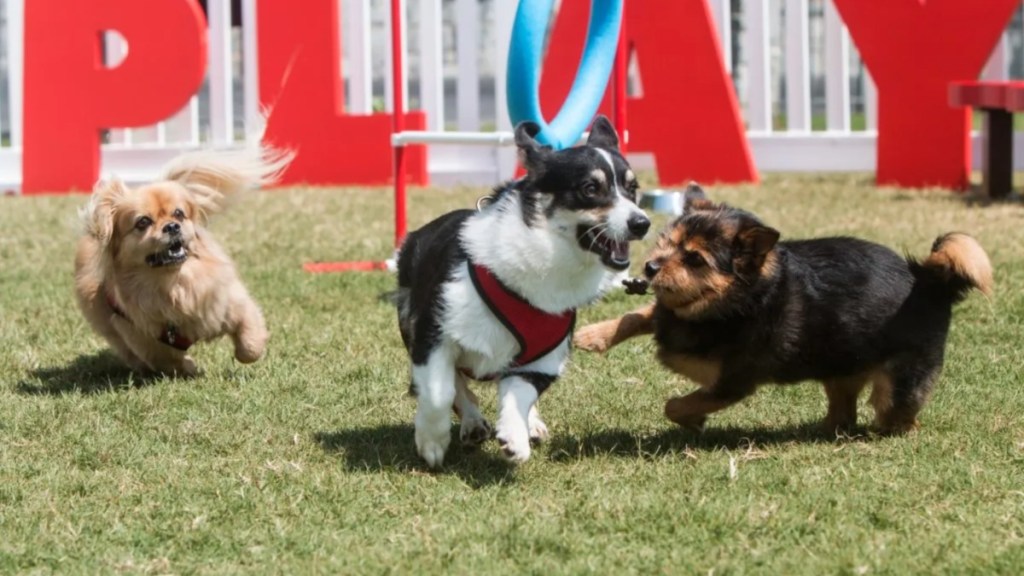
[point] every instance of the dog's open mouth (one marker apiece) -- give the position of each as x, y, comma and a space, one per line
174, 254
614, 253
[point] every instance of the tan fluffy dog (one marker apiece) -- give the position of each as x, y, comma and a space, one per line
151, 279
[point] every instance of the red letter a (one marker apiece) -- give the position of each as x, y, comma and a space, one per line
688, 115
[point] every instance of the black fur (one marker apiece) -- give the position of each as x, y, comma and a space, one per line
425, 262
839, 310
835, 307
539, 380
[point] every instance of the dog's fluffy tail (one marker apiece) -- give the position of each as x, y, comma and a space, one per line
956, 265
214, 176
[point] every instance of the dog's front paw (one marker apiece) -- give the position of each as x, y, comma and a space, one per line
188, 368
474, 432
514, 439
250, 344
432, 447
594, 337
676, 411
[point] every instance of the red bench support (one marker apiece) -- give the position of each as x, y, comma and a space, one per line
997, 101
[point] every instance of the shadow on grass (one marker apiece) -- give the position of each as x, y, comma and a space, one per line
101, 372
629, 444
973, 196
392, 448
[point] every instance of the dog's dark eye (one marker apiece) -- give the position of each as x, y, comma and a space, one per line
694, 260
178, 214
589, 189
143, 223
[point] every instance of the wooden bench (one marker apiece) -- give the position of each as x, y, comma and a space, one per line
998, 101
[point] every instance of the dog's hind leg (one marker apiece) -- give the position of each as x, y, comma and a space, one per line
474, 428
435, 393
842, 396
900, 392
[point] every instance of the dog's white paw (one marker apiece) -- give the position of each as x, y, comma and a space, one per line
432, 447
538, 429
475, 431
189, 368
514, 439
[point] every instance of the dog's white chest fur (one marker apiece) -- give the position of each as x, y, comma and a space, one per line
484, 344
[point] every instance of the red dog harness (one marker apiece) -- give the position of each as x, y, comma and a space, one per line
169, 336
537, 332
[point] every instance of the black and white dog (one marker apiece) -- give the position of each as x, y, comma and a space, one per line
492, 294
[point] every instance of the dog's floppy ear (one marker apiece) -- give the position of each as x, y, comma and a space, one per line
98, 215
602, 134
757, 239
694, 199
531, 153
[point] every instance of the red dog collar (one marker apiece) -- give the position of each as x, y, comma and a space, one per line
169, 335
537, 332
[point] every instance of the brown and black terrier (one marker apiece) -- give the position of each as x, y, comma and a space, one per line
736, 308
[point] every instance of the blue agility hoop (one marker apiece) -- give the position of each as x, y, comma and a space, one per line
524, 66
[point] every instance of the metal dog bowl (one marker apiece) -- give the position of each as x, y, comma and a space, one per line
663, 201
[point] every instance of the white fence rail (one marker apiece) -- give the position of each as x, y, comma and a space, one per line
807, 100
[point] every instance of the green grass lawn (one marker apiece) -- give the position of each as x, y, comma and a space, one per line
304, 462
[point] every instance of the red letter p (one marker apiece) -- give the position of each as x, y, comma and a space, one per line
70, 95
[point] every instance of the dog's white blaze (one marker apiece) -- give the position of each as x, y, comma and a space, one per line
435, 392
623, 209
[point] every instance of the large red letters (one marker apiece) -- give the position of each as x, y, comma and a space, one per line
301, 85
70, 95
914, 49
688, 115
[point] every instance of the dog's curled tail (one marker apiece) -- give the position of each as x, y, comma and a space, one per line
956, 264
214, 176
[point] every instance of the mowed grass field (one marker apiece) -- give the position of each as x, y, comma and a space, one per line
305, 463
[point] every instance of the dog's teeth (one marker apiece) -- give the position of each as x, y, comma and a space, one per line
620, 250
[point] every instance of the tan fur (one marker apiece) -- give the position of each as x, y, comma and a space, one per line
691, 411
961, 255
203, 297
705, 372
600, 337
842, 396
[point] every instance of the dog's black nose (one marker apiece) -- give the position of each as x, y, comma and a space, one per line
172, 228
638, 225
651, 268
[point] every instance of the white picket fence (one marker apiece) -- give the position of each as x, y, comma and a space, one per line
456, 54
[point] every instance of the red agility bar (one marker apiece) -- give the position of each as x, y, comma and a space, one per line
397, 125
398, 122
620, 77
